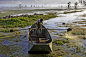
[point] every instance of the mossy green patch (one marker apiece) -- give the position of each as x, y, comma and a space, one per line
78, 49
23, 21
61, 42
2, 36
51, 55
65, 41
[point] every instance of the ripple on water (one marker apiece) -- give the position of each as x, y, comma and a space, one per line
1, 55
8, 43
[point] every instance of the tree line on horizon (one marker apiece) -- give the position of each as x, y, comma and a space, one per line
75, 5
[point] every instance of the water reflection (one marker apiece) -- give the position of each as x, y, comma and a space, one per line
1, 55
16, 46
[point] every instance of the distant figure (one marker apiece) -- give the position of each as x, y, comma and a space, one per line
38, 25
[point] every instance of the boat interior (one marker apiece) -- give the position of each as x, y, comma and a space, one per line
42, 37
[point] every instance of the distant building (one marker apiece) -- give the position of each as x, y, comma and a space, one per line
83, 2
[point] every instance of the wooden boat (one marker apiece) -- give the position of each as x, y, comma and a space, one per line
39, 42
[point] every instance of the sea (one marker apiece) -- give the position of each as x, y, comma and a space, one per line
30, 6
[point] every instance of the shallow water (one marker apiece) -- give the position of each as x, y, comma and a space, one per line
18, 45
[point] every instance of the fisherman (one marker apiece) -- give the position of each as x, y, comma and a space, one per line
38, 25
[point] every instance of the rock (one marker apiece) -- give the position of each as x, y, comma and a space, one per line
11, 30
4, 17
37, 14
63, 23
69, 29
0, 17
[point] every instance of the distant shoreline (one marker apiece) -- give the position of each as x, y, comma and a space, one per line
15, 11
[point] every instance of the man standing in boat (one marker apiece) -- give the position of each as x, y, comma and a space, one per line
38, 25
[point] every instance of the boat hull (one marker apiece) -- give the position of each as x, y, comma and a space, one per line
44, 44
41, 47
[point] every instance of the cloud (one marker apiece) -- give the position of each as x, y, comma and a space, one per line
18, 2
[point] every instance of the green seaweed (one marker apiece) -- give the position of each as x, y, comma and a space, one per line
60, 42
23, 21
51, 55
78, 49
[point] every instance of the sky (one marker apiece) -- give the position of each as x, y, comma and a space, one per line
37, 1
